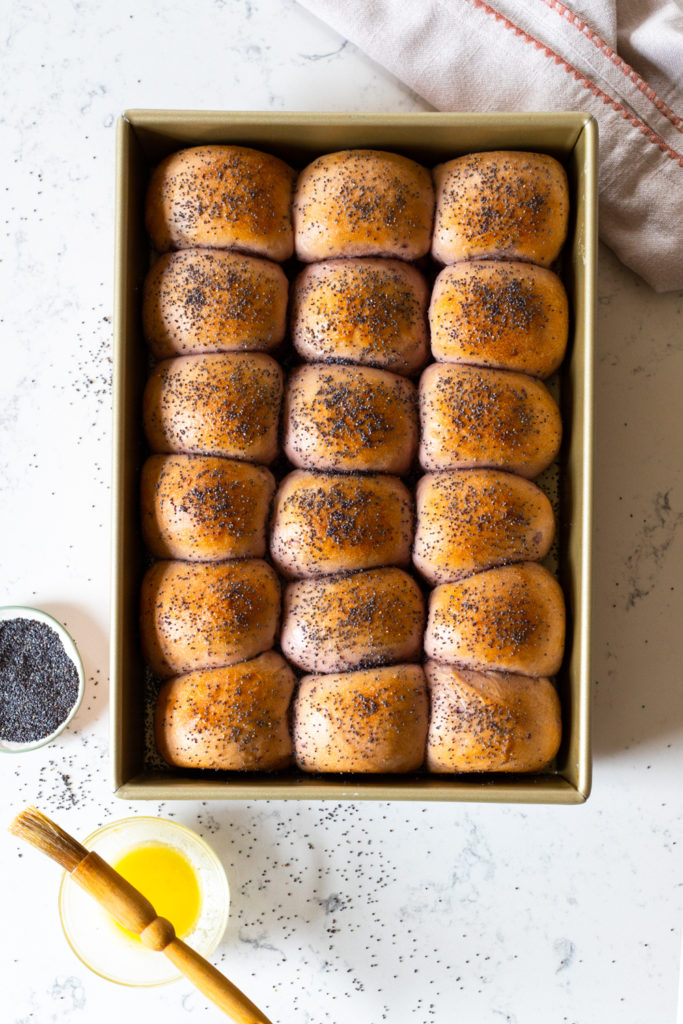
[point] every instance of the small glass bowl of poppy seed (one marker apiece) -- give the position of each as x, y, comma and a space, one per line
41, 679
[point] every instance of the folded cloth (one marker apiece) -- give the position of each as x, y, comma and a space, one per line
544, 55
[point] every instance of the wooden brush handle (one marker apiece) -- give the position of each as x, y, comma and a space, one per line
214, 985
114, 893
130, 908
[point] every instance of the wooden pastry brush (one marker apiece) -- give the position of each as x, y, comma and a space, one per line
130, 908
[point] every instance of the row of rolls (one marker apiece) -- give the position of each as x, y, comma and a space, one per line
351, 534
360, 202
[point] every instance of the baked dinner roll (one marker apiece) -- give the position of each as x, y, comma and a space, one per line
508, 619
374, 720
363, 202
508, 205
342, 622
474, 417
510, 316
350, 418
207, 615
490, 721
202, 300
234, 718
203, 509
365, 311
475, 519
325, 523
222, 404
222, 197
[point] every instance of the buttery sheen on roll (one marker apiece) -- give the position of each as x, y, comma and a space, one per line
490, 721
509, 316
222, 404
474, 417
200, 508
507, 205
207, 615
474, 519
326, 523
338, 623
508, 619
230, 719
363, 202
222, 197
348, 418
367, 311
374, 720
203, 300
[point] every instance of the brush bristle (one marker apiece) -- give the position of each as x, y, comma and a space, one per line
49, 838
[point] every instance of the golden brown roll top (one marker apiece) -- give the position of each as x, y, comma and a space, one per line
342, 622
203, 300
368, 311
223, 404
474, 519
363, 202
200, 508
510, 316
508, 619
233, 719
348, 418
374, 720
474, 417
510, 205
490, 721
208, 615
222, 197
326, 523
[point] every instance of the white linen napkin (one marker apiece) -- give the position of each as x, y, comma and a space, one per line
620, 60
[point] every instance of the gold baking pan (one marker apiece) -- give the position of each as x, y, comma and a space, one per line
143, 138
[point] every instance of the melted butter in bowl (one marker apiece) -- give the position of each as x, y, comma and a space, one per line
167, 878
181, 877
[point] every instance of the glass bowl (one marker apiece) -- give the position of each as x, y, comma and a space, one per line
20, 612
102, 945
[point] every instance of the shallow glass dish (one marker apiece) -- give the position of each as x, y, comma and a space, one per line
20, 612
106, 948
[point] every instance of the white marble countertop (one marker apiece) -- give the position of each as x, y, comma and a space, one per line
341, 913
